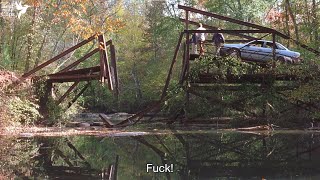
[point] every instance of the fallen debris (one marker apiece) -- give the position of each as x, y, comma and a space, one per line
256, 128
106, 120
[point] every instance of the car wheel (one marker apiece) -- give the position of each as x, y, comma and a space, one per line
234, 53
284, 60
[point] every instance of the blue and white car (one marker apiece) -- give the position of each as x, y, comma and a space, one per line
260, 51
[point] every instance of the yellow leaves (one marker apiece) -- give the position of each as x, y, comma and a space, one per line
98, 34
81, 28
65, 14
113, 25
202, 2
56, 20
85, 18
34, 3
79, 1
83, 9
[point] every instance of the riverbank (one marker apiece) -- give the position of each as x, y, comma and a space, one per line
90, 124
17, 102
155, 129
55, 131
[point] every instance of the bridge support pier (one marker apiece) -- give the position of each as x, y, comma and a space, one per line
45, 98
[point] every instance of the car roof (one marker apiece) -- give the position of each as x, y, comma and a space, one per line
261, 40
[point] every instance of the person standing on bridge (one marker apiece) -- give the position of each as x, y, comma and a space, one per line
201, 37
194, 44
218, 41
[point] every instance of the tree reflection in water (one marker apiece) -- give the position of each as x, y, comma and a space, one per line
196, 155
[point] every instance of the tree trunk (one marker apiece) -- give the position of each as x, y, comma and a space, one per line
13, 47
56, 43
308, 23
315, 23
136, 81
29, 41
292, 16
240, 10
287, 23
40, 51
1, 32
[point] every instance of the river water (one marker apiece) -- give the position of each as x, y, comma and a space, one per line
177, 154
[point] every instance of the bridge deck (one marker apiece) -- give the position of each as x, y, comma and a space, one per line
244, 78
73, 78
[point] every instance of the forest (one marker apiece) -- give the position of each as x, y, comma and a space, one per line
210, 117
145, 35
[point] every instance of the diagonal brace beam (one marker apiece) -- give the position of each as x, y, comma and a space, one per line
80, 60
58, 56
67, 92
78, 95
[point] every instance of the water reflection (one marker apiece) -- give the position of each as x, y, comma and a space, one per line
205, 155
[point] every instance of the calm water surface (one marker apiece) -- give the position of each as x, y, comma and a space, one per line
194, 155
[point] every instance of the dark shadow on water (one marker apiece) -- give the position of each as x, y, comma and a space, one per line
198, 155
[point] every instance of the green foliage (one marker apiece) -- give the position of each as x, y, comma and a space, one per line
176, 102
103, 101
40, 87
144, 50
23, 111
17, 153
221, 67
55, 112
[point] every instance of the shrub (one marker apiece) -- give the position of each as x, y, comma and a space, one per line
23, 111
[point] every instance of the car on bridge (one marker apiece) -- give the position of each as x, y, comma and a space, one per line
260, 51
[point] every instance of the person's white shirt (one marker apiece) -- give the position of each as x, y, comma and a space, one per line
201, 36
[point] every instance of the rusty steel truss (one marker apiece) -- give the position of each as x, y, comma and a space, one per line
105, 71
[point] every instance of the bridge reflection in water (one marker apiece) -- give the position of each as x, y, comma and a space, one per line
195, 155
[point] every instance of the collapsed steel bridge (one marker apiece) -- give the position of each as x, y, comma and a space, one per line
106, 70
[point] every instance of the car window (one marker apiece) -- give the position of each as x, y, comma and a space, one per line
280, 46
256, 44
270, 45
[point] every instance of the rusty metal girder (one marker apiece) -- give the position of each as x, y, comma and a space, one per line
74, 64
73, 78
77, 71
245, 78
78, 95
236, 21
229, 31
67, 92
114, 70
58, 57
104, 63
164, 92
215, 28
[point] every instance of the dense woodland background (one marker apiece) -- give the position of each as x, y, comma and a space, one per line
145, 34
